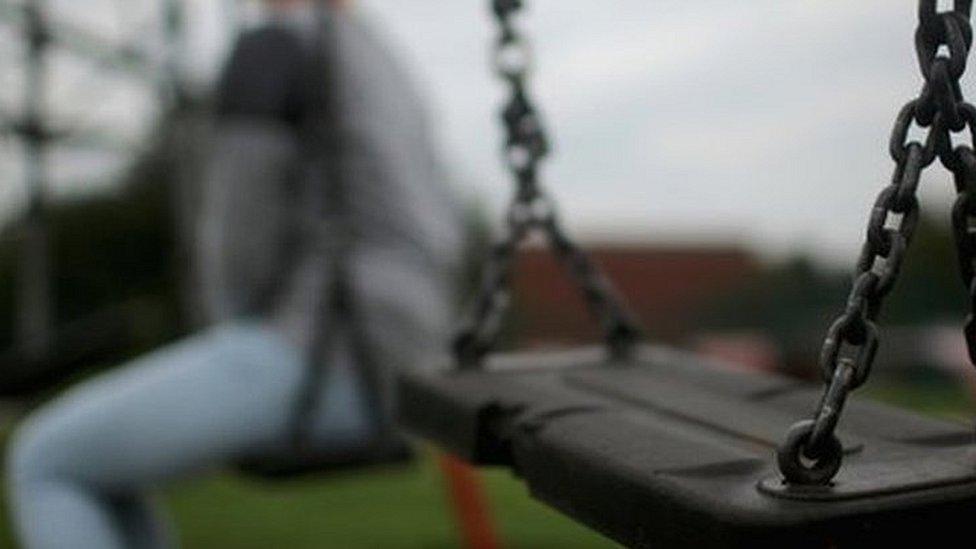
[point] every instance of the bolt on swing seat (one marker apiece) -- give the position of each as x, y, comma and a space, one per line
654, 447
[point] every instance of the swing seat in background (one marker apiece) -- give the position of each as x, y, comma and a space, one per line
669, 450
377, 452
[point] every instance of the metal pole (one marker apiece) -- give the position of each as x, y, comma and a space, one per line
182, 183
231, 12
34, 282
173, 25
470, 504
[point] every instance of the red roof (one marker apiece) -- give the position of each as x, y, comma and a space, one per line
664, 286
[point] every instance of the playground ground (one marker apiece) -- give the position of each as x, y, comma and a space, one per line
405, 508
402, 508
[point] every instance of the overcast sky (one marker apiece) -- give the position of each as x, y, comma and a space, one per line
761, 122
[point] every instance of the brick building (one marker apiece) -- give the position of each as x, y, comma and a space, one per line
666, 286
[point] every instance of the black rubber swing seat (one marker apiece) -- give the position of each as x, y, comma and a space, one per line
668, 450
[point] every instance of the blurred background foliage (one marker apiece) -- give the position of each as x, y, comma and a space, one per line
115, 273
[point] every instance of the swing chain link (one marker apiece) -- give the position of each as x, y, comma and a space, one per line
526, 145
943, 41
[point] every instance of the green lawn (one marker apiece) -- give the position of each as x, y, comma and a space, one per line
401, 508
934, 397
407, 508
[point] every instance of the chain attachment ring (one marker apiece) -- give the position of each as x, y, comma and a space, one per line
797, 468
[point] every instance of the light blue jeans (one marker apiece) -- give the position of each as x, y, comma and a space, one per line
80, 470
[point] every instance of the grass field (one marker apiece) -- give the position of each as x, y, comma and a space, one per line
396, 508
389, 509
405, 508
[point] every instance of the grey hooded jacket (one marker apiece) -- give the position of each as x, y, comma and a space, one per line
297, 197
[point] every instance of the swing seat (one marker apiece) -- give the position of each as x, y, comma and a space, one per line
668, 450
292, 465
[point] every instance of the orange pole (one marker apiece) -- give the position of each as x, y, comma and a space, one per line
470, 505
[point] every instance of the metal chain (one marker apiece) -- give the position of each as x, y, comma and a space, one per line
531, 210
942, 43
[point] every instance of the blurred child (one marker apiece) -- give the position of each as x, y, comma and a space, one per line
325, 222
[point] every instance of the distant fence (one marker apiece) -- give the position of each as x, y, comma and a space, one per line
39, 344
